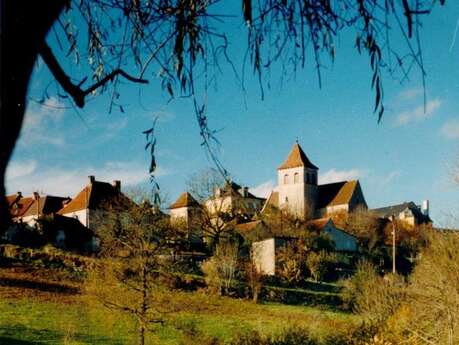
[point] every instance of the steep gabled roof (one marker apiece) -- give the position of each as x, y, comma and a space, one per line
337, 193
184, 200
93, 196
48, 204
18, 205
297, 158
11, 199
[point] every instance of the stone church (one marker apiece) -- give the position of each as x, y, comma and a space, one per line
299, 193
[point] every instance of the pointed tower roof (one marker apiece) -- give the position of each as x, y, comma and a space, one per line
184, 200
297, 158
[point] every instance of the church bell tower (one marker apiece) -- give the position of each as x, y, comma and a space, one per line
297, 184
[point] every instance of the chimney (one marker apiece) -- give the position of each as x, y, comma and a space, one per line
117, 185
92, 178
425, 207
18, 195
245, 192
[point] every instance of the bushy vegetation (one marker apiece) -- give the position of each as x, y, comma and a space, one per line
423, 310
373, 297
307, 257
220, 271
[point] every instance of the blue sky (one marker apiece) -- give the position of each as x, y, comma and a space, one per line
410, 155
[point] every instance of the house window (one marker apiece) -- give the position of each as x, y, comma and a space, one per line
296, 178
286, 179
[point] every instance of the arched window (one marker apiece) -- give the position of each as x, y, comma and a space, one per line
296, 178
314, 180
286, 179
308, 178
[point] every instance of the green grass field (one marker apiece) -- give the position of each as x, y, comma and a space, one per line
31, 321
45, 306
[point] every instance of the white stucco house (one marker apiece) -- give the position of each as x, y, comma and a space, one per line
91, 199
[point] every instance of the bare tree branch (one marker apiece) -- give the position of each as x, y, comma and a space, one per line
73, 90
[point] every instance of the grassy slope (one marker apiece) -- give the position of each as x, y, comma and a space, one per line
34, 311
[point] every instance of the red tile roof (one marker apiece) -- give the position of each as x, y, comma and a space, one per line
297, 158
45, 205
93, 196
18, 205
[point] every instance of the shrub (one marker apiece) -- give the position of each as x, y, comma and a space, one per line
191, 335
254, 280
220, 270
375, 298
431, 312
320, 263
291, 263
288, 337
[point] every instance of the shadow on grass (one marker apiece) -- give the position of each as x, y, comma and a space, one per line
21, 335
11, 341
321, 287
291, 296
38, 285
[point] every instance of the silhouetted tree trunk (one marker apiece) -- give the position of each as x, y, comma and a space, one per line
24, 25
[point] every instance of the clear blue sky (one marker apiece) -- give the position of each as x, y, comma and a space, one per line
411, 155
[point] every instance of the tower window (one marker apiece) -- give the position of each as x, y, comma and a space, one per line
308, 178
286, 179
296, 178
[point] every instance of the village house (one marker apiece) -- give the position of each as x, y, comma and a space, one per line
18, 205
186, 212
233, 198
91, 200
185, 209
407, 212
343, 241
46, 205
230, 201
28, 210
265, 253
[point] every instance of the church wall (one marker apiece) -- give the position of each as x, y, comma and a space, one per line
296, 196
